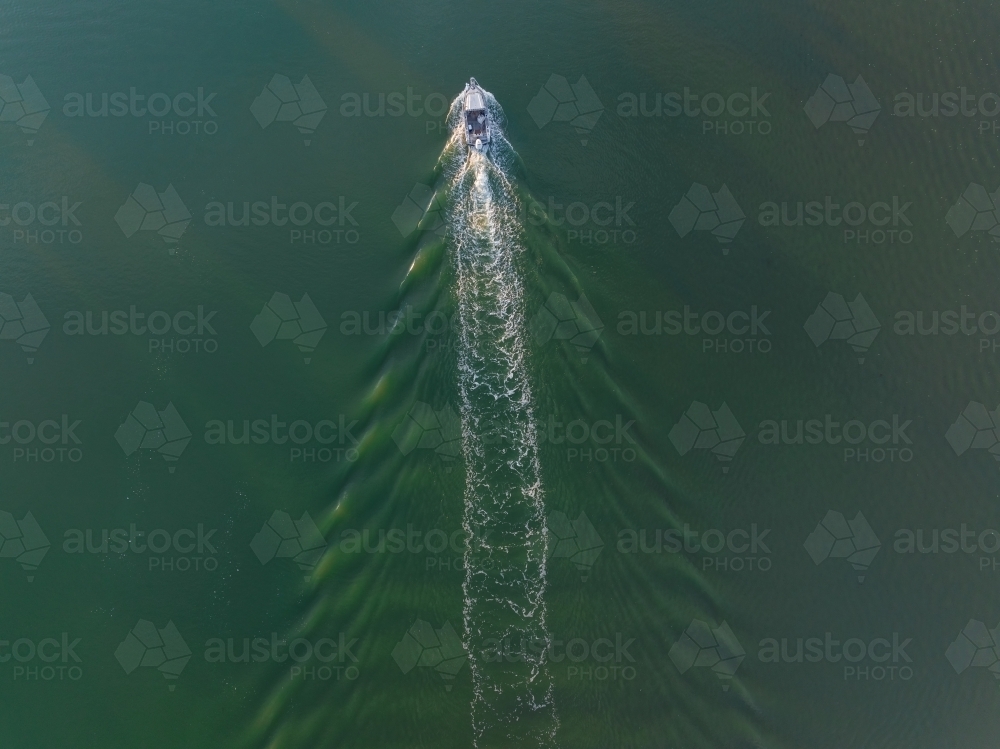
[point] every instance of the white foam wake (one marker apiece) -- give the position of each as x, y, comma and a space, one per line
504, 604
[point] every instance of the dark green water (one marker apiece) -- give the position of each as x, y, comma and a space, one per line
290, 494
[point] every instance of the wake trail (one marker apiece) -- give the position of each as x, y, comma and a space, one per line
504, 612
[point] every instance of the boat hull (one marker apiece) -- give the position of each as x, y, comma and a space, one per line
475, 118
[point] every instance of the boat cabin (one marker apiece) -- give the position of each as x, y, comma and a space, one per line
475, 117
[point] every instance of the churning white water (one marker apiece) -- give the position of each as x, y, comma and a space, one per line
503, 592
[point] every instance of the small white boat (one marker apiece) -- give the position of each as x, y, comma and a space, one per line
477, 124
